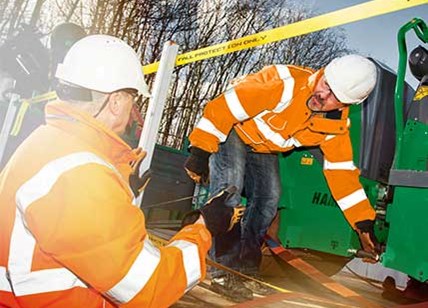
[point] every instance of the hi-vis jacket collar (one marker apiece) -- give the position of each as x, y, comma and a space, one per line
85, 127
319, 121
314, 78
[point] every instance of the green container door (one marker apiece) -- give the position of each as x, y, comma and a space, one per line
407, 246
309, 216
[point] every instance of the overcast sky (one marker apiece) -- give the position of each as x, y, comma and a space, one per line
377, 36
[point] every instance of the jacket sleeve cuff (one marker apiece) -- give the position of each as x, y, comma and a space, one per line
365, 225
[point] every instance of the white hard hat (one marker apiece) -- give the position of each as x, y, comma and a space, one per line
103, 63
351, 78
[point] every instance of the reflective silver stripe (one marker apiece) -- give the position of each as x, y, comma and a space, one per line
296, 142
235, 105
40, 184
138, 275
42, 281
207, 126
274, 137
329, 137
4, 283
24, 281
191, 261
287, 93
343, 165
352, 199
22, 244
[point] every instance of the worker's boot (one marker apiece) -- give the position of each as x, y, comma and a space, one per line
257, 287
231, 287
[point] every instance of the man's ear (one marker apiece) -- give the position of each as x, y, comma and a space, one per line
114, 103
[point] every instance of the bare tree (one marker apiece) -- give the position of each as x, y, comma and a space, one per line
220, 21
193, 24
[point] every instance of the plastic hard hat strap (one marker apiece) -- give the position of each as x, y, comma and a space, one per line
68, 92
102, 106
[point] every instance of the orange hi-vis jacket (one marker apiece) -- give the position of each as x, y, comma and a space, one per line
69, 234
268, 111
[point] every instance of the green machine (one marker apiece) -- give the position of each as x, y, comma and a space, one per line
390, 142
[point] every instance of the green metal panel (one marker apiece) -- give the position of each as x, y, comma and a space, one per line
309, 216
407, 249
415, 145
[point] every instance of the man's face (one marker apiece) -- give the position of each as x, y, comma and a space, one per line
116, 109
323, 99
127, 101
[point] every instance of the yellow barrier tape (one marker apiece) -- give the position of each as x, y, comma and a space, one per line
43, 97
340, 17
19, 118
354, 13
24, 107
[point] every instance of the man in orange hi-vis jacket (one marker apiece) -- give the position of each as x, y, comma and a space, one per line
69, 234
277, 109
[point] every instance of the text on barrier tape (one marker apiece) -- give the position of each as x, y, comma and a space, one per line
340, 17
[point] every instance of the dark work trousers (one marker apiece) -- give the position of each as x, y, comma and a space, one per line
258, 175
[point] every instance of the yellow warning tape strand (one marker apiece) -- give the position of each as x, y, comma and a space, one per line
25, 104
340, 17
19, 118
354, 13
43, 97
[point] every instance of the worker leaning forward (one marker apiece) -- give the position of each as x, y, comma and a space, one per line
69, 234
278, 109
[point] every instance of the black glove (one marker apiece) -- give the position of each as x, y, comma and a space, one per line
218, 217
365, 230
136, 182
197, 163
